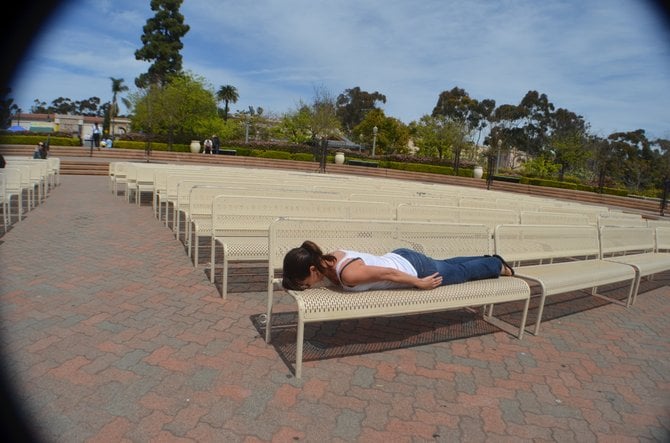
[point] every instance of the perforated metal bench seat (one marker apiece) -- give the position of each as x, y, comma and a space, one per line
327, 304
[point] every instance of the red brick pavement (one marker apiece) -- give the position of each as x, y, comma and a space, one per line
109, 334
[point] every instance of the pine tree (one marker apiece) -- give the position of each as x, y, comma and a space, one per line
162, 43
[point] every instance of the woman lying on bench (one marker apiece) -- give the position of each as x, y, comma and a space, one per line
305, 267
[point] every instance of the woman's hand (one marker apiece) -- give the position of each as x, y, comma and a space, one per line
429, 282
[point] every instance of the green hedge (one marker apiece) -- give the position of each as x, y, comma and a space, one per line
573, 186
11, 139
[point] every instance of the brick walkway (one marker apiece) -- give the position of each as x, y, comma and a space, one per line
109, 334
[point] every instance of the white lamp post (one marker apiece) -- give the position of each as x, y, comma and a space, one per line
374, 139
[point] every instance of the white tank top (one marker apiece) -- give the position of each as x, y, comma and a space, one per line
390, 260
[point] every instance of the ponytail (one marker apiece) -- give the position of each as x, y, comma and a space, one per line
297, 262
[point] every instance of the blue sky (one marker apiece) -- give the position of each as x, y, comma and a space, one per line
607, 60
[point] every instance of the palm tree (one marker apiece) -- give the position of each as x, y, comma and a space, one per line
117, 88
227, 94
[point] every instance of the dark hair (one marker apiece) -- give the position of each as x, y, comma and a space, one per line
297, 262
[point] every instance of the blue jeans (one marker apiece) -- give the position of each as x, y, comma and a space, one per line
453, 270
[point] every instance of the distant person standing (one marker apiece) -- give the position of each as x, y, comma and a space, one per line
96, 136
3, 163
216, 144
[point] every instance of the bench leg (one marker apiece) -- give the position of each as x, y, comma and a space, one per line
300, 333
212, 261
224, 283
196, 256
268, 316
524, 317
540, 310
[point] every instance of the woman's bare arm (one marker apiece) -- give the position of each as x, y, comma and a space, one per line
358, 273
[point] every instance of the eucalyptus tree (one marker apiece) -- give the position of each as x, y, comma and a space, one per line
635, 158
470, 114
537, 115
162, 43
227, 94
506, 131
353, 104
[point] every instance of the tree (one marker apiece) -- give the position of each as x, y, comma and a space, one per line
184, 108
323, 122
117, 88
7, 108
227, 94
468, 113
162, 43
439, 136
90, 106
392, 134
354, 104
295, 124
632, 150
537, 112
506, 131
63, 105
567, 140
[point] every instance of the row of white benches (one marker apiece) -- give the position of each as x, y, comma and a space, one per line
162, 180
556, 258
25, 176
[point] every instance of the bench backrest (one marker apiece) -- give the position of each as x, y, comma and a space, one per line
591, 212
12, 180
397, 199
198, 197
521, 243
621, 240
456, 214
662, 238
620, 219
252, 215
654, 223
38, 168
552, 218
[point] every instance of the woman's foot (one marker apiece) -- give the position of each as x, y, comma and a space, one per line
506, 270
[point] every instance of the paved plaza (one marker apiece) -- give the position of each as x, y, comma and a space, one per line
109, 334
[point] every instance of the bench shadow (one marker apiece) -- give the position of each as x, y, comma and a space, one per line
343, 338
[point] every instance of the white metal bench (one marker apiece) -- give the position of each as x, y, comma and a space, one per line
13, 188
552, 218
456, 214
634, 246
240, 223
568, 257
662, 238
380, 237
